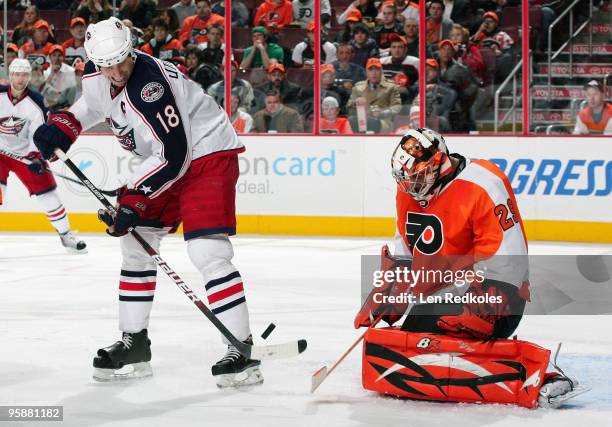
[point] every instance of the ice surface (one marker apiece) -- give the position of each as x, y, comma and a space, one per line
56, 309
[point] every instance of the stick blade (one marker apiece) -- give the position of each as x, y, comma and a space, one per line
277, 351
317, 378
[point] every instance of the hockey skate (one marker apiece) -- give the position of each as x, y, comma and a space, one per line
72, 243
128, 358
557, 389
235, 370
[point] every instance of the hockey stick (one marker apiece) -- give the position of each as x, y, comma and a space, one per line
278, 351
22, 159
320, 376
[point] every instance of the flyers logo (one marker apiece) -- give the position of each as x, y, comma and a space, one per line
424, 232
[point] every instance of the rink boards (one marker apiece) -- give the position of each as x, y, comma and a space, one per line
341, 186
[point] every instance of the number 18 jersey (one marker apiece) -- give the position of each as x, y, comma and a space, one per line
159, 115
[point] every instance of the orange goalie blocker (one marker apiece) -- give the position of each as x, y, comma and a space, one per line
428, 366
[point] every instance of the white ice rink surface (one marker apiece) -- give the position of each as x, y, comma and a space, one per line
57, 309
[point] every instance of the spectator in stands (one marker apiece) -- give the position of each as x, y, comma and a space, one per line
596, 118
401, 69
346, 35
37, 49
183, 9
242, 87
303, 12
378, 97
199, 71
171, 19
407, 10
240, 13
388, 27
12, 52
459, 12
93, 11
467, 52
261, 53
347, 72
140, 12
276, 117
303, 52
195, 28
411, 31
461, 79
59, 89
162, 45
366, 7
75, 46
440, 97
25, 29
364, 47
137, 34
38, 79
213, 51
437, 27
290, 93
330, 122
241, 120
489, 36
274, 15
329, 88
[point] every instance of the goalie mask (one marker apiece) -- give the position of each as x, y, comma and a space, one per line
420, 162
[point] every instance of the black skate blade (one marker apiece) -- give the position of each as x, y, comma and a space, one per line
127, 372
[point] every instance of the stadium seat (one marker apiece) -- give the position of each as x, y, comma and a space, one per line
14, 18
163, 4
62, 34
488, 56
255, 76
303, 77
241, 38
289, 37
535, 17
238, 54
57, 18
510, 17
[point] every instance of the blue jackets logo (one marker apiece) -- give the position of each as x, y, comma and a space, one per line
152, 92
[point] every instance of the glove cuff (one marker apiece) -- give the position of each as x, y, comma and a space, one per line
67, 123
134, 199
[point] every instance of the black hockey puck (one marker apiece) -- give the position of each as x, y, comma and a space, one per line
268, 331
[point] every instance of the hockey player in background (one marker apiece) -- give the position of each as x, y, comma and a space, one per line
188, 174
455, 215
22, 111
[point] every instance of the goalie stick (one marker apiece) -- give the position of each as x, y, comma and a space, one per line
22, 159
274, 351
322, 374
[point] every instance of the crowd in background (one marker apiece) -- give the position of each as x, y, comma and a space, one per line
369, 71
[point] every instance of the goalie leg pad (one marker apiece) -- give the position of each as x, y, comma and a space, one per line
429, 366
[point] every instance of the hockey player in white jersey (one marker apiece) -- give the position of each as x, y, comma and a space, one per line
188, 174
22, 111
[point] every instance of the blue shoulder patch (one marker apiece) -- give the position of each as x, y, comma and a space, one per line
3, 88
39, 100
